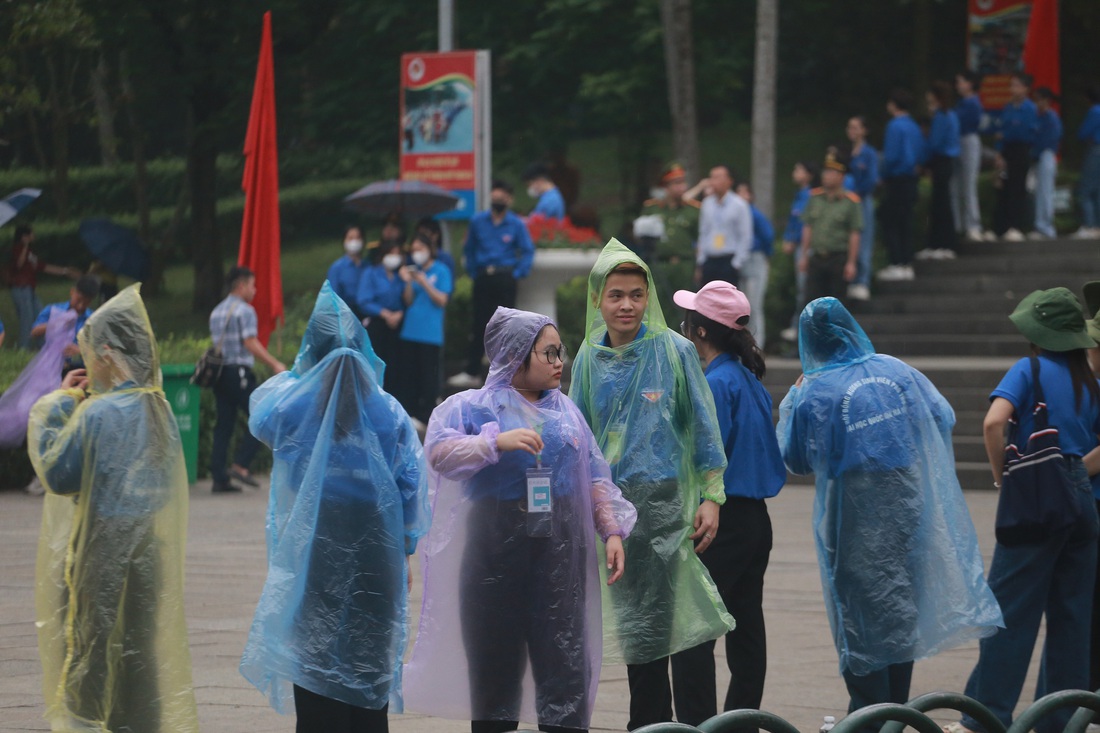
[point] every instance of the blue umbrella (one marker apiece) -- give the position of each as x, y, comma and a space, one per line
13, 203
410, 199
117, 247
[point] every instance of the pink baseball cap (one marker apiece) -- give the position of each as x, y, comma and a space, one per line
717, 300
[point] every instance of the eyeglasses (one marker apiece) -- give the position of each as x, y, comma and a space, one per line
551, 354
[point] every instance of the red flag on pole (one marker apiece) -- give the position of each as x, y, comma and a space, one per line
1041, 49
260, 239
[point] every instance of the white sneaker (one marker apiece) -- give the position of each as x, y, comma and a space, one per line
1037, 236
462, 379
907, 273
1013, 235
891, 273
927, 254
945, 254
788, 334
989, 235
859, 292
35, 487
975, 234
1085, 233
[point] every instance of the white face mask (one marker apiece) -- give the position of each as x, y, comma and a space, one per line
353, 246
392, 261
420, 257
532, 192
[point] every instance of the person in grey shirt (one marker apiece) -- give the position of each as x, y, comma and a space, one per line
233, 329
725, 229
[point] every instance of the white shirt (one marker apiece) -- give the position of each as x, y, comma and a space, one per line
725, 229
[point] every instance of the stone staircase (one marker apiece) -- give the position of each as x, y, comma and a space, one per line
952, 324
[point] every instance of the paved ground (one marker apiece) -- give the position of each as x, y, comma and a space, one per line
225, 571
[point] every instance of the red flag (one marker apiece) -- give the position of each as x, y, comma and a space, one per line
260, 239
1041, 53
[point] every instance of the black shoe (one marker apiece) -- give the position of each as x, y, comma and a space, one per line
244, 478
224, 487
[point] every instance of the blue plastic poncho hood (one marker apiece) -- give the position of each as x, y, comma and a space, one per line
495, 598
900, 566
652, 412
348, 501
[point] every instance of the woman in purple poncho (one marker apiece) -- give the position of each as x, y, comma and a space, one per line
520, 491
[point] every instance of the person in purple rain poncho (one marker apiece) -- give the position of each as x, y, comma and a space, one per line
40, 377
511, 577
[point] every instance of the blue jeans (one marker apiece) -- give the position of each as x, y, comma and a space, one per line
754, 282
27, 308
866, 241
1088, 188
964, 184
1054, 578
1046, 169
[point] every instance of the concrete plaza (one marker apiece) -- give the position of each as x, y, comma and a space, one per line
226, 568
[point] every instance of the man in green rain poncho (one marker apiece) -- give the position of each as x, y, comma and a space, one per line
641, 388
109, 593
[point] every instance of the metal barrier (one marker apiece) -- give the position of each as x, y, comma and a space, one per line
894, 718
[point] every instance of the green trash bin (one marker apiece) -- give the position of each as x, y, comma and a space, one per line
184, 399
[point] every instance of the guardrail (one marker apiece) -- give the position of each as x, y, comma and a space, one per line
893, 718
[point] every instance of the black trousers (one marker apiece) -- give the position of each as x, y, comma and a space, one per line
825, 277
418, 382
320, 714
490, 291
890, 684
720, 268
941, 220
231, 393
1012, 205
386, 342
896, 216
737, 560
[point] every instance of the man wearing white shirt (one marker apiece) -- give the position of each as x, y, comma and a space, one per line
725, 231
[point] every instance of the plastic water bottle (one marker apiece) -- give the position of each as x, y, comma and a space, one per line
827, 726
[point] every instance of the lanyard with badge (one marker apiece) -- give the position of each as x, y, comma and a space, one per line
539, 501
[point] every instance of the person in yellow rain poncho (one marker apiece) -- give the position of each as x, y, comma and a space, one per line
641, 389
109, 592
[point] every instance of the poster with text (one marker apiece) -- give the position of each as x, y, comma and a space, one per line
445, 124
997, 32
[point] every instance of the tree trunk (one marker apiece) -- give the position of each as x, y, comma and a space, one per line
59, 139
922, 44
104, 113
763, 105
680, 69
206, 252
155, 283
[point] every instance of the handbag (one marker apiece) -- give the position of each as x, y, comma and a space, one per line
209, 366
1038, 496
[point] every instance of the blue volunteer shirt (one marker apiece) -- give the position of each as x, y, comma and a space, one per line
793, 232
1019, 123
1049, 135
1089, 130
344, 276
863, 172
943, 135
969, 112
1077, 426
755, 469
550, 204
763, 234
380, 290
44, 316
423, 322
903, 150
507, 244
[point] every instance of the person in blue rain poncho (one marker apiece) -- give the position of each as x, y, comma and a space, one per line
641, 388
900, 566
508, 589
348, 504
109, 581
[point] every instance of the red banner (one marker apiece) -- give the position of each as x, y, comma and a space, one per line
1041, 51
997, 33
439, 120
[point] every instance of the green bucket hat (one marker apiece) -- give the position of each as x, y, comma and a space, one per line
1091, 292
1052, 320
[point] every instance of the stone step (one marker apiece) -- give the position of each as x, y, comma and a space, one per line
904, 345
1010, 287
1006, 266
1063, 246
978, 324
920, 302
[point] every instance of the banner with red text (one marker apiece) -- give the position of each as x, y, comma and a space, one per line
445, 125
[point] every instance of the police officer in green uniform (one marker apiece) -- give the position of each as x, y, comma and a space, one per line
832, 224
675, 250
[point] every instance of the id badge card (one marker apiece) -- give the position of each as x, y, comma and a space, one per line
538, 490
719, 241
